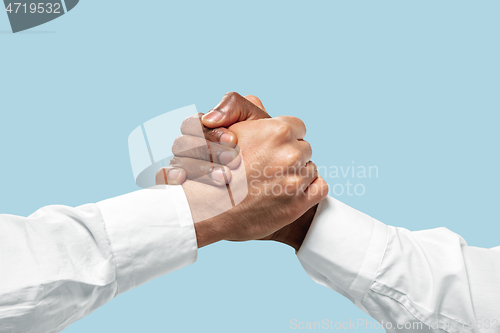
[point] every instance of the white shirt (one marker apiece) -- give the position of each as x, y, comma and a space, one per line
60, 264
430, 281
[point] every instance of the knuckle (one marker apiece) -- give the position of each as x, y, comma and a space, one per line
308, 147
300, 122
191, 124
283, 130
294, 157
294, 181
233, 95
185, 124
307, 153
229, 101
176, 162
255, 98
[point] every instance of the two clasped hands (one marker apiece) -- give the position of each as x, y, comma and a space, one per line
243, 176
264, 158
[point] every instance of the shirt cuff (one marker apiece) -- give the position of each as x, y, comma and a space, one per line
343, 249
151, 234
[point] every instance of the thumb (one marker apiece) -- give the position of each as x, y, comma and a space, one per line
234, 108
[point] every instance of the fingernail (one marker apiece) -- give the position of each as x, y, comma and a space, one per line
227, 157
218, 176
226, 138
213, 116
174, 174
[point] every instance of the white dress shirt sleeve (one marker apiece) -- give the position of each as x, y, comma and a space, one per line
424, 281
60, 264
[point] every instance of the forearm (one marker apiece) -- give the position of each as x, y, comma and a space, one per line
207, 233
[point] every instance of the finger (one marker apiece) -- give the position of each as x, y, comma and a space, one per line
222, 134
255, 100
233, 108
317, 191
170, 176
193, 126
202, 171
306, 149
298, 126
201, 149
308, 174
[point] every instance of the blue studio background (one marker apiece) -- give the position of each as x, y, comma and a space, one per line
410, 87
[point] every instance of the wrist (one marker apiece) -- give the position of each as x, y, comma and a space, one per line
207, 233
205, 204
295, 233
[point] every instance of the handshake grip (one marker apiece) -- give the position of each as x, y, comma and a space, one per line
150, 149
